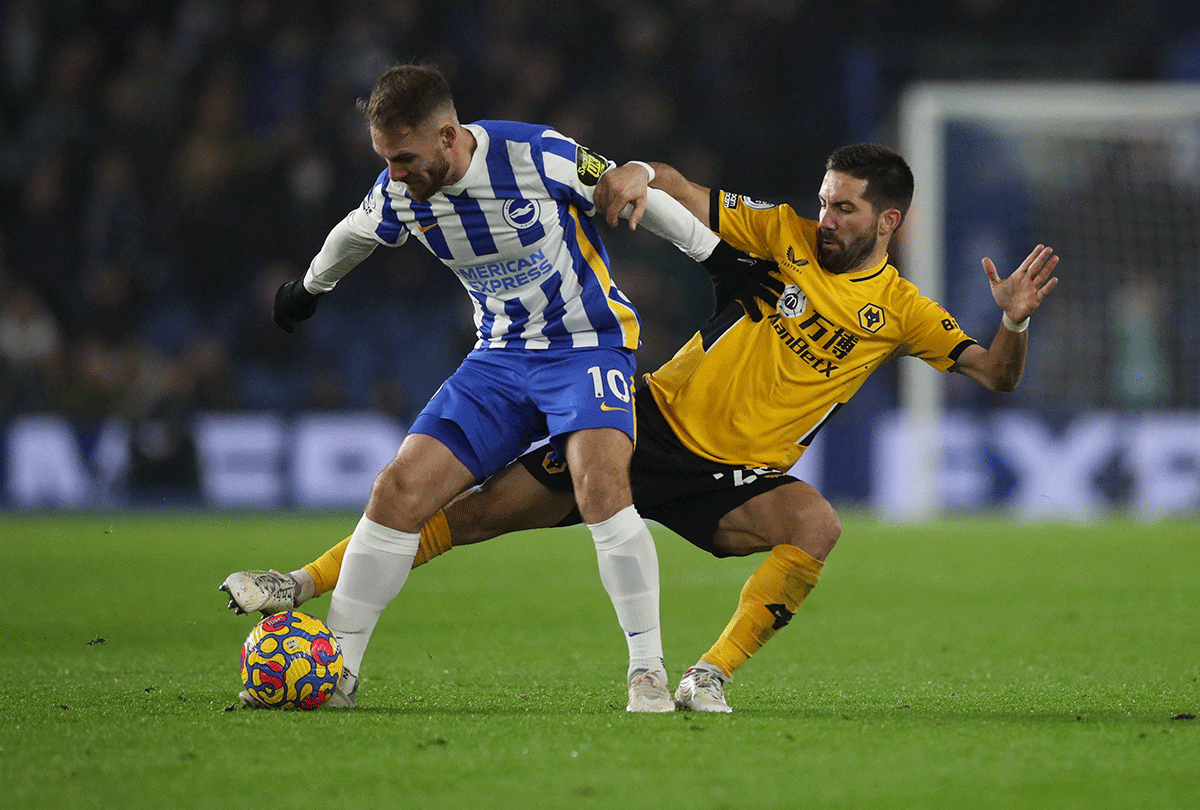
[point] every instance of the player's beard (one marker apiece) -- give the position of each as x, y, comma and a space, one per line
421, 191
840, 257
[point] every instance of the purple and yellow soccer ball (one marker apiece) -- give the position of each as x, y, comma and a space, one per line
291, 661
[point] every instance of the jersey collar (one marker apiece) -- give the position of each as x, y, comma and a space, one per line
864, 275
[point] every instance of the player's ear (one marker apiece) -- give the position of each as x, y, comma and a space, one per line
889, 221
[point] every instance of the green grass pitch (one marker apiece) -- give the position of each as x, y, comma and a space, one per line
967, 663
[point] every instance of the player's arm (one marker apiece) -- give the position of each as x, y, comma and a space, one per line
1000, 366
693, 196
628, 191
627, 186
296, 300
736, 275
346, 246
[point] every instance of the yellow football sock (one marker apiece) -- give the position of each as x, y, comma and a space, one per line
769, 599
435, 540
325, 569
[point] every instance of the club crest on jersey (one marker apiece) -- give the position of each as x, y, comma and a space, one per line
521, 214
589, 166
368, 203
871, 318
793, 302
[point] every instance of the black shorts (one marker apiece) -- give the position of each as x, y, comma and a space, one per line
671, 485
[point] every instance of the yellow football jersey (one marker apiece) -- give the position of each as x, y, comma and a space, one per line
741, 392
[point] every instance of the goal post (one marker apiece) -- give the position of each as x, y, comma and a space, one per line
1056, 144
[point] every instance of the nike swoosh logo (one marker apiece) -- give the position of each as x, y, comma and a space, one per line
604, 406
423, 228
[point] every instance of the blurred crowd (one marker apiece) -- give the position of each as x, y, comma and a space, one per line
165, 165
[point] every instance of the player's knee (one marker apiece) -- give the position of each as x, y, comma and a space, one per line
818, 528
395, 492
830, 526
600, 496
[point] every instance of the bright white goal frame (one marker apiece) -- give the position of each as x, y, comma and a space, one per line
925, 109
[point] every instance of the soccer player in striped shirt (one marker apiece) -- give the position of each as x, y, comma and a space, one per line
508, 208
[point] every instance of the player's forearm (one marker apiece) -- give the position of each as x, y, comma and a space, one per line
344, 249
1006, 359
666, 217
693, 196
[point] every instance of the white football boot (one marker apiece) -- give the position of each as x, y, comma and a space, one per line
266, 591
649, 692
248, 701
702, 689
343, 694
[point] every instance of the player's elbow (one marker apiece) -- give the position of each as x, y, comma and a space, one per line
1005, 381
993, 372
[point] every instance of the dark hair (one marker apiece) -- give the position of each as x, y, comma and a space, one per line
889, 180
405, 95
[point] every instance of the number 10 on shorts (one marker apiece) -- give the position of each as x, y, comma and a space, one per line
616, 383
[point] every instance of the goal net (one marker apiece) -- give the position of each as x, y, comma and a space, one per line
1109, 176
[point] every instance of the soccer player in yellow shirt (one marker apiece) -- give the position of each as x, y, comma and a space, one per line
721, 422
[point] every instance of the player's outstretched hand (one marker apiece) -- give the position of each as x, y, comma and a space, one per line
622, 191
293, 304
738, 276
1021, 293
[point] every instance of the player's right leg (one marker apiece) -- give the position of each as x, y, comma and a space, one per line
423, 477
267, 591
509, 501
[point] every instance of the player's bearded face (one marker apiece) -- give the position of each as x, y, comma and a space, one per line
419, 158
847, 233
839, 252
425, 181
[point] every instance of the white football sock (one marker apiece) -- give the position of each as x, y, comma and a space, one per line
374, 569
629, 570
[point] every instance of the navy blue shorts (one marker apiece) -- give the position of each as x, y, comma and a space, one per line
500, 401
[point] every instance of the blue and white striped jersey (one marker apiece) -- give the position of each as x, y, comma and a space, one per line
517, 230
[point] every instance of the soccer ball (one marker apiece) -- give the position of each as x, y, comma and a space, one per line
291, 661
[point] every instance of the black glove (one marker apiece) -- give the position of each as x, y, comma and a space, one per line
738, 276
293, 304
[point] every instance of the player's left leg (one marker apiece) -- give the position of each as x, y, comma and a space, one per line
628, 562
799, 528
586, 396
